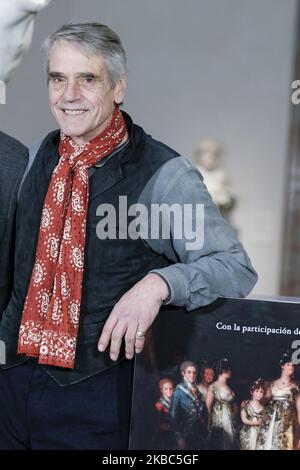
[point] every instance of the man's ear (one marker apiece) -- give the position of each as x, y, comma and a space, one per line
119, 91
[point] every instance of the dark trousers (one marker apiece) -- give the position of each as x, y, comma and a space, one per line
36, 413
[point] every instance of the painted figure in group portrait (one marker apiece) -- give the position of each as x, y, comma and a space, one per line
207, 378
189, 415
165, 437
252, 412
280, 427
220, 401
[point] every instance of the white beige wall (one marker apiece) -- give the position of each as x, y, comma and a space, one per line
199, 68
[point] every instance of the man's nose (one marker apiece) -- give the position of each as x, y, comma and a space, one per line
72, 91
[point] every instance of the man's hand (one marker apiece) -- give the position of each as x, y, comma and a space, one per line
132, 315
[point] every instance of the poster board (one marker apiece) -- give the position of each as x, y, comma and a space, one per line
252, 335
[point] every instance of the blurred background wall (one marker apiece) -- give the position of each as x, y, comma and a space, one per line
201, 68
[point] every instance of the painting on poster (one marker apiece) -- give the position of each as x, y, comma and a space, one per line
223, 377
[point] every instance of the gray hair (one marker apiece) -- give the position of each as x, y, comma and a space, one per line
92, 39
187, 364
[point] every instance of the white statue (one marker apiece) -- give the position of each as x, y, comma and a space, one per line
207, 155
16, 29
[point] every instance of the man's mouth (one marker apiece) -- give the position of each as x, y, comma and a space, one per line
74, 112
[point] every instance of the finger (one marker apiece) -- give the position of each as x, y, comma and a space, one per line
139, 344
116, 339
106, 332
130, 340
140, 337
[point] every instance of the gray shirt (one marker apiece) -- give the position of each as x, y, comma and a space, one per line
216, 266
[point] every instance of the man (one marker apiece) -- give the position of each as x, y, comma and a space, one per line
16, 27
189, 416
13, 159
85, 276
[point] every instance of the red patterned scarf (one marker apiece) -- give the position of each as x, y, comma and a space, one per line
50, 318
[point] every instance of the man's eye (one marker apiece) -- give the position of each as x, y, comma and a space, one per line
88, 80
56, 79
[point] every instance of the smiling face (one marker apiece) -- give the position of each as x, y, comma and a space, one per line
80, 94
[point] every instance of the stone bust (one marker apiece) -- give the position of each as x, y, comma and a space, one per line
208, 161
